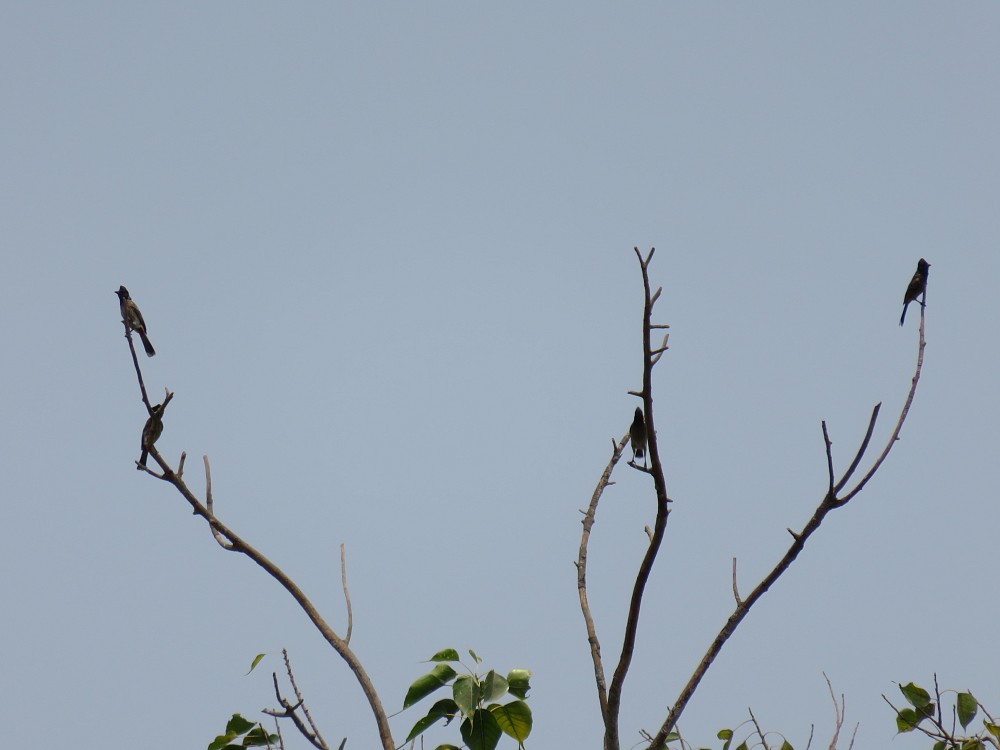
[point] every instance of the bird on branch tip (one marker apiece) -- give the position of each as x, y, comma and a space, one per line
151, 432
133, 319
916, 287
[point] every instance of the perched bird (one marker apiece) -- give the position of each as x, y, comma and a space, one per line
638, 434
151, 432
917, 286
133, 319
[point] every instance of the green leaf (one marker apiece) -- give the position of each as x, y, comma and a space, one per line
447, 747
973, 744
481, 731
742, 745
443, 709
475, 656
517, 682
238, 725
494, 687
514, 719
254, 663
992, 728
438, 677
445, 654
727, 735
234, 728
967, 708
786, 745
907, 720
467, 694
258, 737
916, 696
939, 746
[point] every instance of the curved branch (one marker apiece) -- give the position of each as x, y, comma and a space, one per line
902, 416
229, 540
347, 593
581, 573
238, 544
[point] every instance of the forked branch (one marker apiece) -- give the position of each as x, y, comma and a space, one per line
229, 540
610, 695
829, 502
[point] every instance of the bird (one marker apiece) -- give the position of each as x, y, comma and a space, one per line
638, 434
916, 287
151, 432
133, 319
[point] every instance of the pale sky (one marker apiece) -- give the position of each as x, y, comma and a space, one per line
384, 252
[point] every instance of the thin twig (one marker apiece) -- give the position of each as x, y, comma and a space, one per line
757, 728
829, 456
736, 591
138, 371
209, 504
277, 730
853, 735
288, 711
347, 594
589, 519
300, 699
861, 450
902, 415
838, 713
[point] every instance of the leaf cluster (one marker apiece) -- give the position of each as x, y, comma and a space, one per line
927, 715
252, 734
474, 699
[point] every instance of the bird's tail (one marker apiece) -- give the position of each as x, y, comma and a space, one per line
150, 351
142, 459
903, 316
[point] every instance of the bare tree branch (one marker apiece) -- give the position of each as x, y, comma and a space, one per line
238, 544
300, 699
581, 571
861, 450
829, 502
612, 739
829, 456
347, 594
290, 711
232, 542
756, 727
138, 371
210, 502
902, 416
838, 714
736, 590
